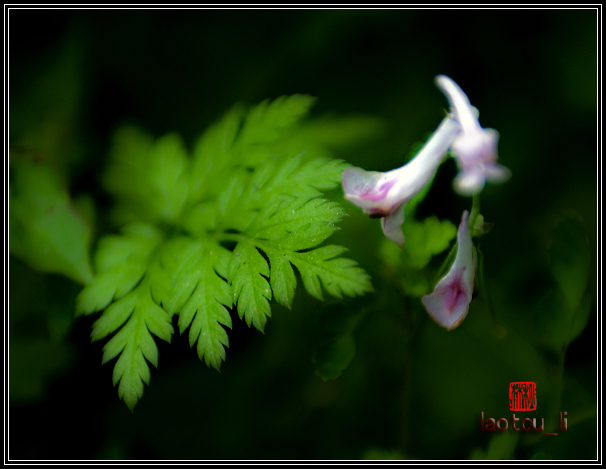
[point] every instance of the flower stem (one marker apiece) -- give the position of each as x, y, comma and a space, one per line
475, 210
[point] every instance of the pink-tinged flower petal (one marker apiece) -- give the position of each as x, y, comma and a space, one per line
369, 190
392, 226
449, 303
385, 194
475, 148
469, 182
497, 173
465, 114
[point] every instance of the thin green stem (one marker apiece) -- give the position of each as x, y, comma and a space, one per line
475, 210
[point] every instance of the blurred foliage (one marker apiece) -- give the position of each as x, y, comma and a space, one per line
412, 389
45, 229
424, 240
502, 446
336, 344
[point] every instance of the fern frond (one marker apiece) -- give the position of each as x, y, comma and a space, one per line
267, 120
213, 156
200, 295
147, 177
295, 177
125, 268
277, 180
279, 214
248, 272
254, 184
240, 140
134, 342
339, 276
121, 262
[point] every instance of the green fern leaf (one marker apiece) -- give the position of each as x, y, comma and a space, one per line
248, 273
214, 157
339, 276
124, 265
200, 295
266, 121
277, 180
134, 342
297, 225
294, 177
286, 221
238, 141
121, 262
253, 180
281, 229
147, 178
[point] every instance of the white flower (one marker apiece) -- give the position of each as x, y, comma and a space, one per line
449, 303
384, 195
475, 148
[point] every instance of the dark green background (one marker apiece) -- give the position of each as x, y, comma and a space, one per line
533, 76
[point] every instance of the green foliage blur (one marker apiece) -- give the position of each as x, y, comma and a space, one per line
365, 378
